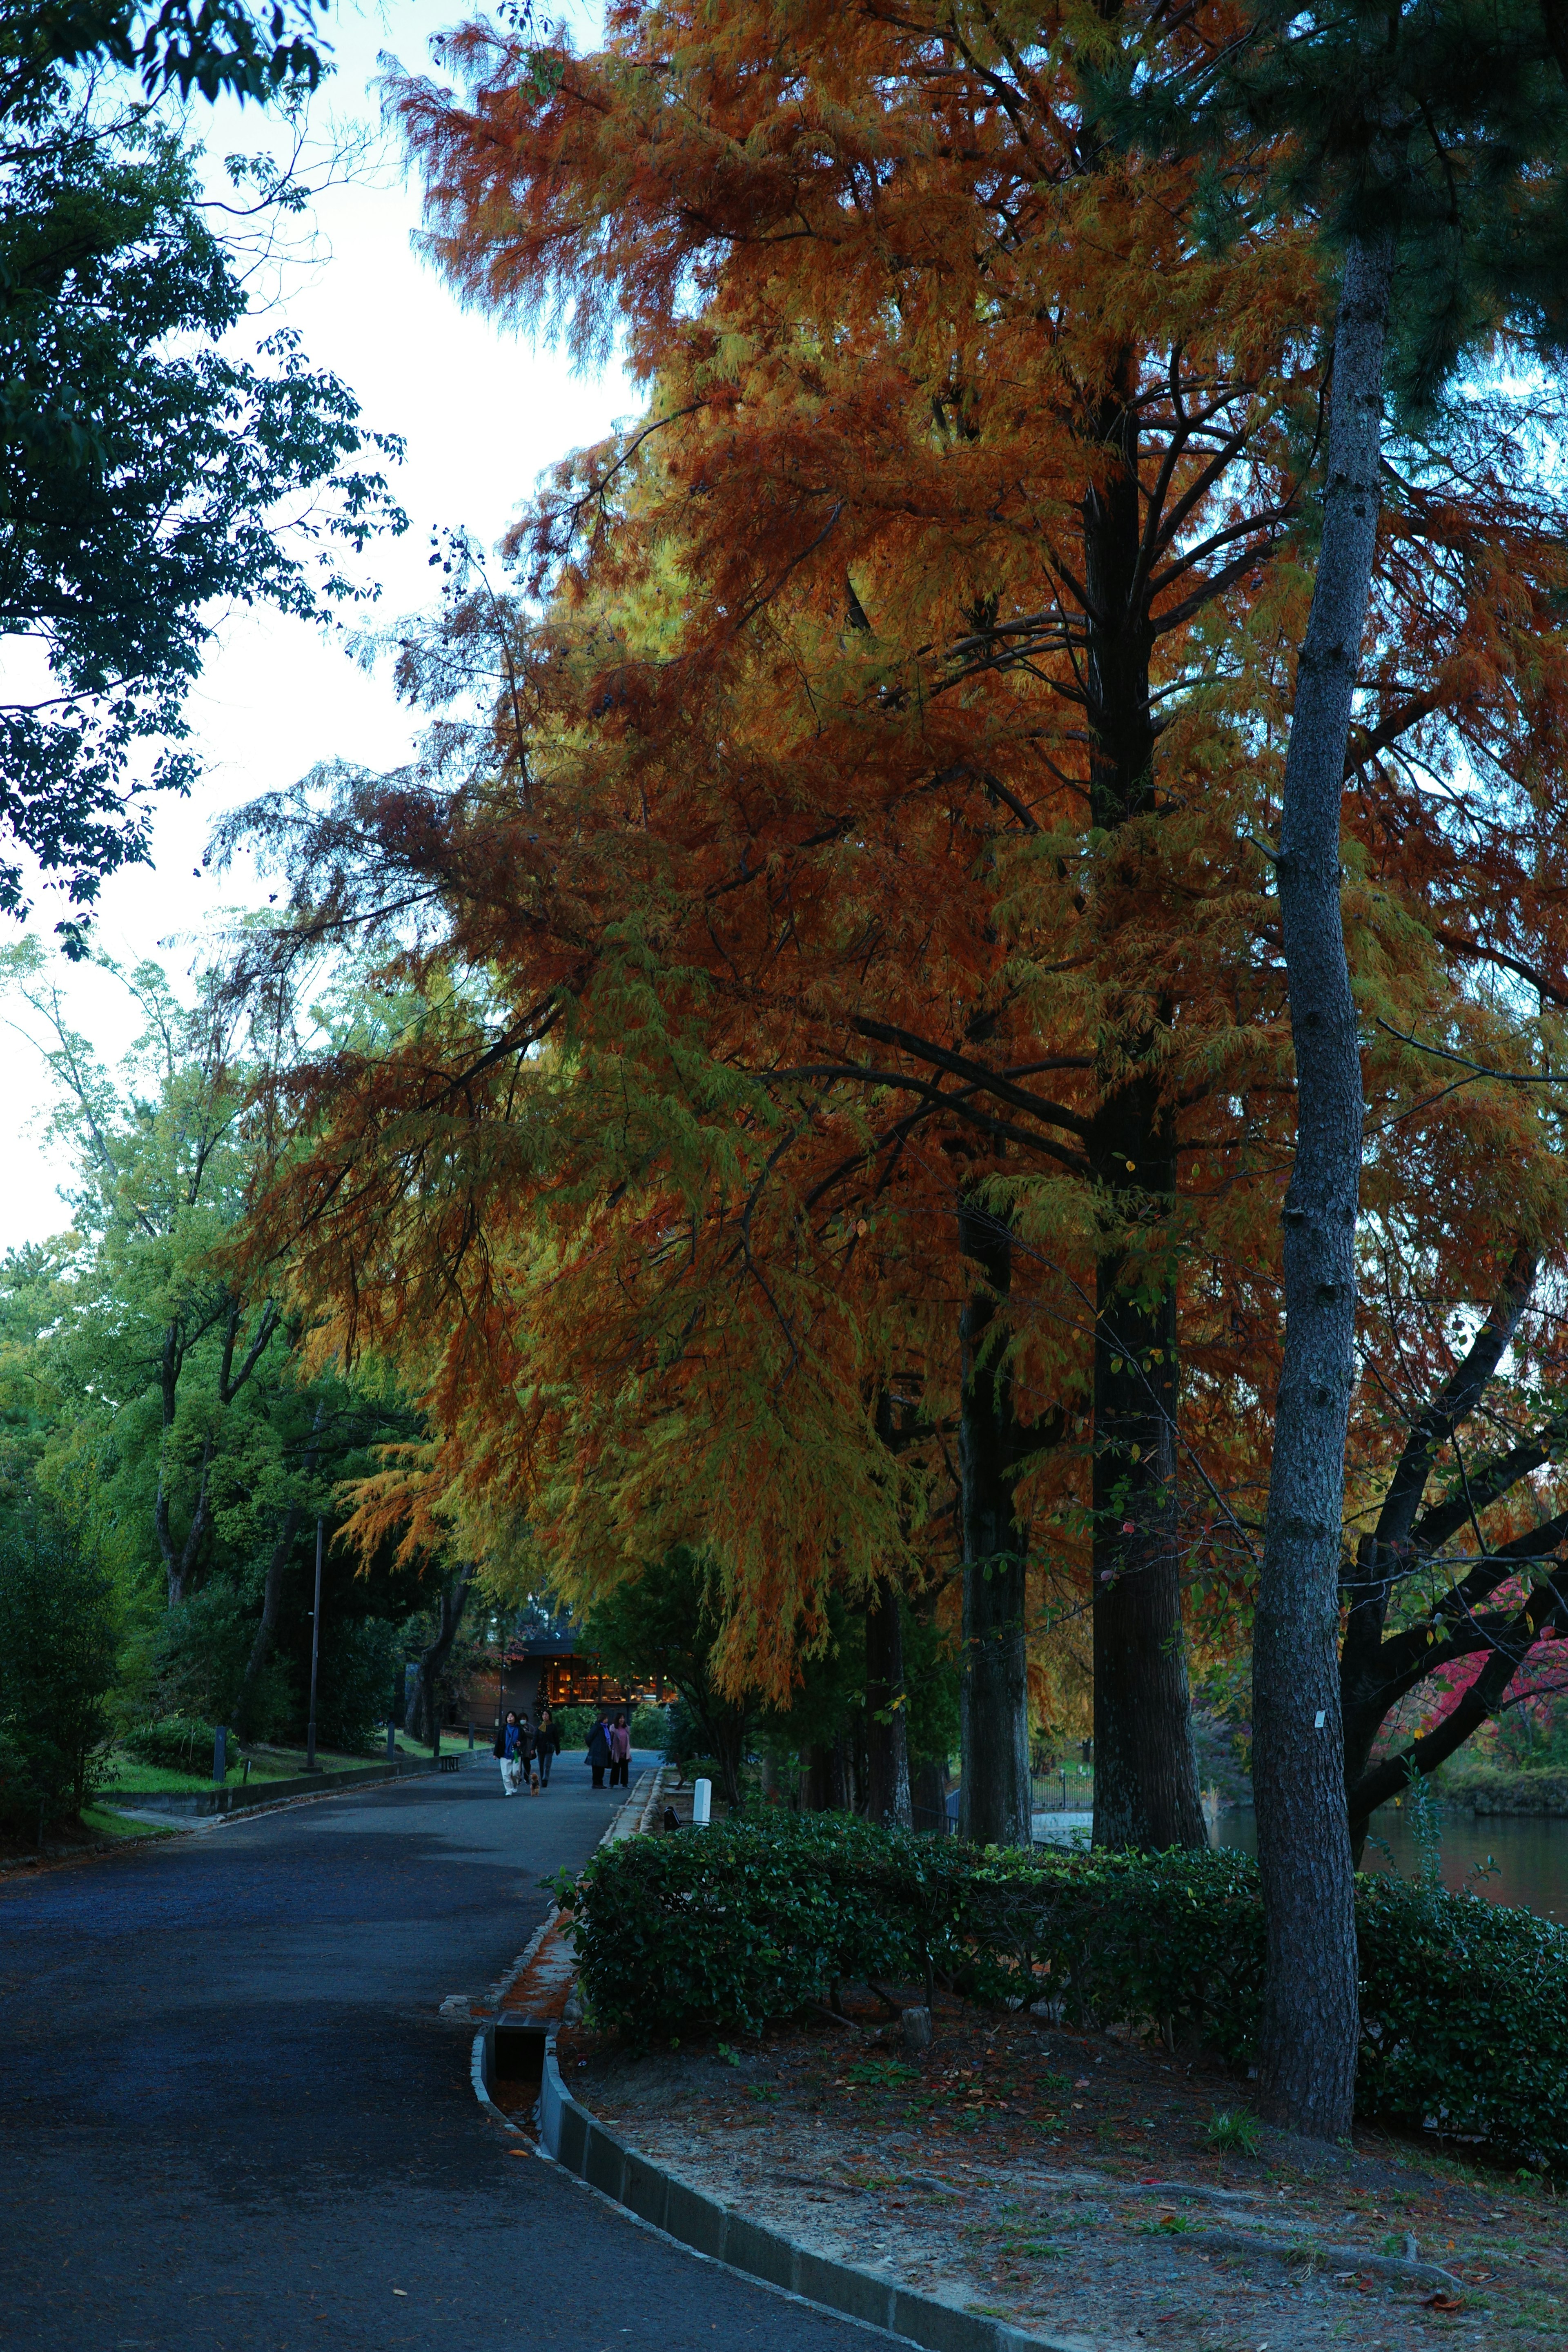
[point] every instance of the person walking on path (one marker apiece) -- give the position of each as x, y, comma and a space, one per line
548, 1746
598, 1751
620, 1753
509, 1747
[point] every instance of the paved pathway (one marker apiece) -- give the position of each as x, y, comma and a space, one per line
231, 2121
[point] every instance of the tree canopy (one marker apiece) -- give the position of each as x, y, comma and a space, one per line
856, 813
148, 472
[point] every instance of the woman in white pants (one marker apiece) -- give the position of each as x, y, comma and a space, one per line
512, 1756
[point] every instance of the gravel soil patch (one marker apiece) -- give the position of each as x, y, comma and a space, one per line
1068, 2184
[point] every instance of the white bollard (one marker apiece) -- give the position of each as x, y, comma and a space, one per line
701, 1803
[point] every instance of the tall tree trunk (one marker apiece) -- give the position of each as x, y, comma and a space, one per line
818, 1796
928, 1798
1145, 1764
420, 1718
730, 1730
267, 1632
272, 1591
993, 1803
1307, 2052
1145, 1767
182, 1561
887, 1714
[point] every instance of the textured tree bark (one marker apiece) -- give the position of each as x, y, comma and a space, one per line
1145, 1765
1145, 1768
993, 1804
887, 1715
1306, 2050
419, 1718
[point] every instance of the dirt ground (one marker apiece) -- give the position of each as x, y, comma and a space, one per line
1070, 2184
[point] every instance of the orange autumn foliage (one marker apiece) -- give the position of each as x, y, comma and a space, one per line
867, 812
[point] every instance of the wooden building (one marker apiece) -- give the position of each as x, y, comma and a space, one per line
549, 1666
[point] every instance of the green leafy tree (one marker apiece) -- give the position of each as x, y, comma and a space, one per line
664, 1622
209, 45
163, 1399
146, 475
59, 1638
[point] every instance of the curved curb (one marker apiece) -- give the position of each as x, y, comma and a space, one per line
231, 1803
577, 2140
569, 2135
582, 2146
96, 1851
484, 2015
183, 1825
572, 2137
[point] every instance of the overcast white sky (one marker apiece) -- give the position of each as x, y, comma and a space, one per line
483, 413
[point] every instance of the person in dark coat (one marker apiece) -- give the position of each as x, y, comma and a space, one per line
549, 1745
508, 1752
599, 1750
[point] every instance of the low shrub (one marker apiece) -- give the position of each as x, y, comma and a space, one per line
175, 1743
1464, 2004
1465, 2020
650, 1728
730, 1925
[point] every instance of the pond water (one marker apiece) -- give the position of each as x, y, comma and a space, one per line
1518, 1858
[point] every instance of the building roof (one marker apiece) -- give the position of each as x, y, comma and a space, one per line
544, 1645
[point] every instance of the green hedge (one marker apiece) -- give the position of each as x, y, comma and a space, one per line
1464, 2004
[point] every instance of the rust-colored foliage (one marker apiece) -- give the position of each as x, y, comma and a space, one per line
870, 810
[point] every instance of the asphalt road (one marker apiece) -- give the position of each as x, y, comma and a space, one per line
230, 2120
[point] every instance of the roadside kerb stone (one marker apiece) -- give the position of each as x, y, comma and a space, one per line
581, 2145
197, 1804
99, 1846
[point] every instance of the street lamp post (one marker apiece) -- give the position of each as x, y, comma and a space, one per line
311, 1765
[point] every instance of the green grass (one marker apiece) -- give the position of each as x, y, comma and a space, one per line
1046, 1790
105, 1824
124, 1776
453, 1743
1232, 2132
